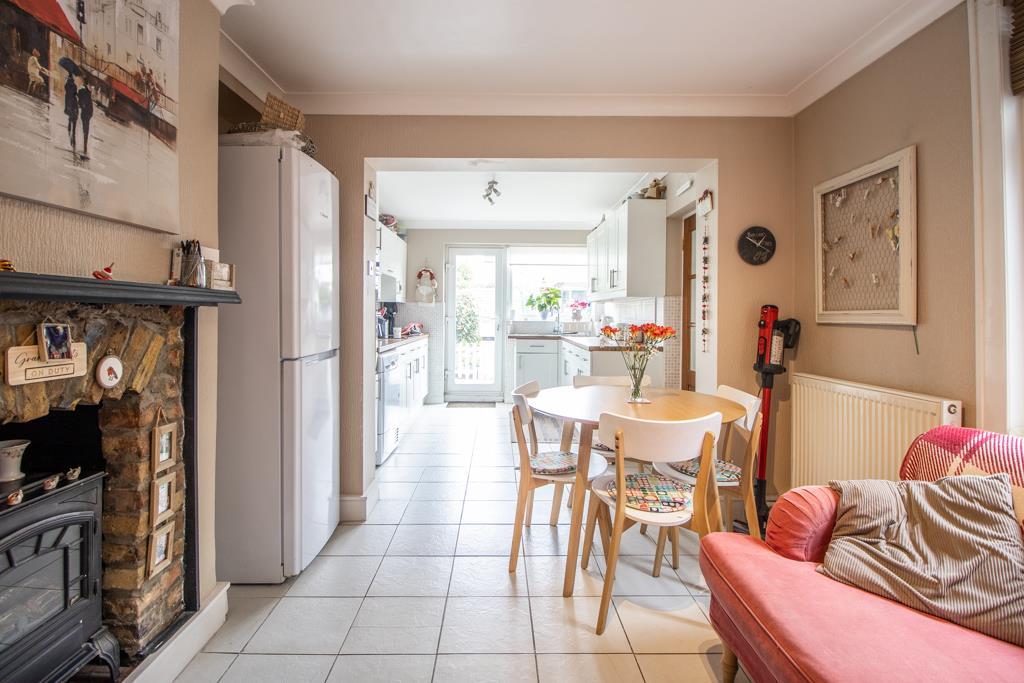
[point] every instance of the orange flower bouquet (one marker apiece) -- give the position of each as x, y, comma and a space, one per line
637, 343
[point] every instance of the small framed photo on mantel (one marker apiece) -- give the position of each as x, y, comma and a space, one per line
165, 447
55, 341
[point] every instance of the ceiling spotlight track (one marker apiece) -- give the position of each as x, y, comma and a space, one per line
492, 191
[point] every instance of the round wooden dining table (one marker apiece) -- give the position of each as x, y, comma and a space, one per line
584, 406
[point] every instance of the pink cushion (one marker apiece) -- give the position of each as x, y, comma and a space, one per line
801, 521
787, 622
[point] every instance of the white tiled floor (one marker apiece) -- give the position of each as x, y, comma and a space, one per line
421, 590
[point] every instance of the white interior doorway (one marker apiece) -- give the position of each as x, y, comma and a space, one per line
474, 323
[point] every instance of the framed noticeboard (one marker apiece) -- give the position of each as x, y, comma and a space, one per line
865, 243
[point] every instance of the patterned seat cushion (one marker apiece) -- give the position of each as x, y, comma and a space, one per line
553, 463
654, 493
726, 473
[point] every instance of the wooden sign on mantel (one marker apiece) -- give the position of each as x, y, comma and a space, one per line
25, 367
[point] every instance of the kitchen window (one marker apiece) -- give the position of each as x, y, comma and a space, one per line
532, 269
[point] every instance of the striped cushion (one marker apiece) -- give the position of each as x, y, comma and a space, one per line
950, 548
947, 451
553, 463
726, 473
655, 493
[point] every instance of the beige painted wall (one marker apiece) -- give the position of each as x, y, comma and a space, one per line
47, 240
428, 247
917, 94
755, 187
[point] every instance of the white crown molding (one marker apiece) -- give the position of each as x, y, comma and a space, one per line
495, 225
515, 104
902, 23
239, 64
224, 5
910, 17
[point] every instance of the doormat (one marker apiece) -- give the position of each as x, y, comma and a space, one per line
470, 404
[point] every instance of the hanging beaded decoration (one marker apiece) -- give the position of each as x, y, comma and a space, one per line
704, 206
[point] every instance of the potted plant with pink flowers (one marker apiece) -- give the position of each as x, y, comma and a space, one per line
577, 307
637, 343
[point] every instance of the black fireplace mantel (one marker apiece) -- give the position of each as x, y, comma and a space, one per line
36, 287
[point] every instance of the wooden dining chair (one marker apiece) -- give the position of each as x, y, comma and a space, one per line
735, 480
650, 498
538, 468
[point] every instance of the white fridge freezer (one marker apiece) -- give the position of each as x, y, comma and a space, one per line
278, 439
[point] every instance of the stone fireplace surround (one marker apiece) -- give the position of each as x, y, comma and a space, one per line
156, 343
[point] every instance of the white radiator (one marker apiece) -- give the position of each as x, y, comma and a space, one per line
845, 430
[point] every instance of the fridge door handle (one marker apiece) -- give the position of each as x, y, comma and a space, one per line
310, 360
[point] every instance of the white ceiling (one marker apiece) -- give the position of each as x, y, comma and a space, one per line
528, 201
770, 57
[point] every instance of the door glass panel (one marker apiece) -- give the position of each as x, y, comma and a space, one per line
475, 319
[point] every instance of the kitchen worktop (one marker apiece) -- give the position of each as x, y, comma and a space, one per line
385, 345
591, 343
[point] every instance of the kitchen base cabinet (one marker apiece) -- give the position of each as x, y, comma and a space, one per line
402, 387
555, 360
536, 360
575, 360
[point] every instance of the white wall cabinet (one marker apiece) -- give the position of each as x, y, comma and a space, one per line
626, 252
392, 266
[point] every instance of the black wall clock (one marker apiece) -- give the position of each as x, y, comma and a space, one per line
756, 245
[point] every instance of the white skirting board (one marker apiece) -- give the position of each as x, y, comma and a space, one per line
356, 508
164, 665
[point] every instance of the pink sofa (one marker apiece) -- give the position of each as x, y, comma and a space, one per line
785, 622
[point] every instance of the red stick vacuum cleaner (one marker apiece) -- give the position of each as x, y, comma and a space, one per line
773, 337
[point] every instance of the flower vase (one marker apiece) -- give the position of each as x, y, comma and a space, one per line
577, 316
636, 393
636, 387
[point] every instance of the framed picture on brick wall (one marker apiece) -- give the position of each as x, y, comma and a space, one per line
161, 549
165, 447
161, 500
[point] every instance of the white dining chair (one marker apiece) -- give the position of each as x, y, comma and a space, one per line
735, 481
649, 498
538, 468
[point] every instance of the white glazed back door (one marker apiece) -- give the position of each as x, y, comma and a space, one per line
475, 286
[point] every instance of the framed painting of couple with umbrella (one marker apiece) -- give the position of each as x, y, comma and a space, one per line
89, 107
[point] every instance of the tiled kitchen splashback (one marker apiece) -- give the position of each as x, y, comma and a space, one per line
662, 310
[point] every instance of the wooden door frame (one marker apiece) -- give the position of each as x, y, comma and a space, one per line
687, 374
